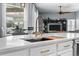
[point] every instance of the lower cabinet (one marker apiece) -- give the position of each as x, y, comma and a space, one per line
65, 45
58, 49
24, 52
65, 49
68, 52
53, 54
43, 50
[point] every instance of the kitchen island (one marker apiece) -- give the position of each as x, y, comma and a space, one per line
17, 46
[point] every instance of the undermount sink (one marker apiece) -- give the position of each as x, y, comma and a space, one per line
37, 40
43, 39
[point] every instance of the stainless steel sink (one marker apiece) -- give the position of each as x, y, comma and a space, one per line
42, 39
36, 40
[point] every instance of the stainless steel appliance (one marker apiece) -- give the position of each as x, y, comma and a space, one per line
76, 48
54, 27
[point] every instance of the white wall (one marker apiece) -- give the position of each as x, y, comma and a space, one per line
26, 16
30, 15
2, 19
57, 16
35, 15
68, 16
77, 20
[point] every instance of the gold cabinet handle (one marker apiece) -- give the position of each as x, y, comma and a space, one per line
45, 51
59, 55
67, 46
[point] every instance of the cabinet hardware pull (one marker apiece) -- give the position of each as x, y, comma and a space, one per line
67, 46
59, 55
45, 51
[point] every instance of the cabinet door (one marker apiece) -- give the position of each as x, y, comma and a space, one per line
65, 45
68, 52
71, 25
17, 53
43, 50
54, 54
77, 24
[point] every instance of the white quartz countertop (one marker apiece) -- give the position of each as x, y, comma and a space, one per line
15, 42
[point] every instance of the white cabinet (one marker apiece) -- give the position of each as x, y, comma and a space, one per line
65, 45
23, 52
68, 52
71, 25
65, 49
57, 49
77, 24
43, 50
54, 54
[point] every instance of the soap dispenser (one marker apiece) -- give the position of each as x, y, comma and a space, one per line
2, 33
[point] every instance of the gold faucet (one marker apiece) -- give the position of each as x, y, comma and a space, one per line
38, 33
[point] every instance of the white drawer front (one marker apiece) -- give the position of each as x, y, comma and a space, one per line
54, 54
77, 41
44, 50
68, 52
18, 53
65, 45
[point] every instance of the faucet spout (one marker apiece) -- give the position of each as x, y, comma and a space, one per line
39, 26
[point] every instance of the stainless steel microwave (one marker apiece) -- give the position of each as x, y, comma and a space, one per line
54, 27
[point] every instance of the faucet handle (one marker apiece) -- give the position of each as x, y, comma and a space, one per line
38, 34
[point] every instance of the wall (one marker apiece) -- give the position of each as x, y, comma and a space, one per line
35, 14
77, 20
57, 16
68, 16
2, 19
30, 15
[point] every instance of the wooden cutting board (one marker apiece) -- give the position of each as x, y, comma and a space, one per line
54, 37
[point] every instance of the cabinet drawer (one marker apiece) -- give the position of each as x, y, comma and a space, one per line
44, 50
65, 45
54, 54
77, 41
68, 52
17, 53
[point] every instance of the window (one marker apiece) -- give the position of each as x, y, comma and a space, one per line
14, 16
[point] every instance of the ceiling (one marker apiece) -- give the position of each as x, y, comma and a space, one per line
53, 7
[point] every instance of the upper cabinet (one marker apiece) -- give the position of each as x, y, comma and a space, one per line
71, 25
